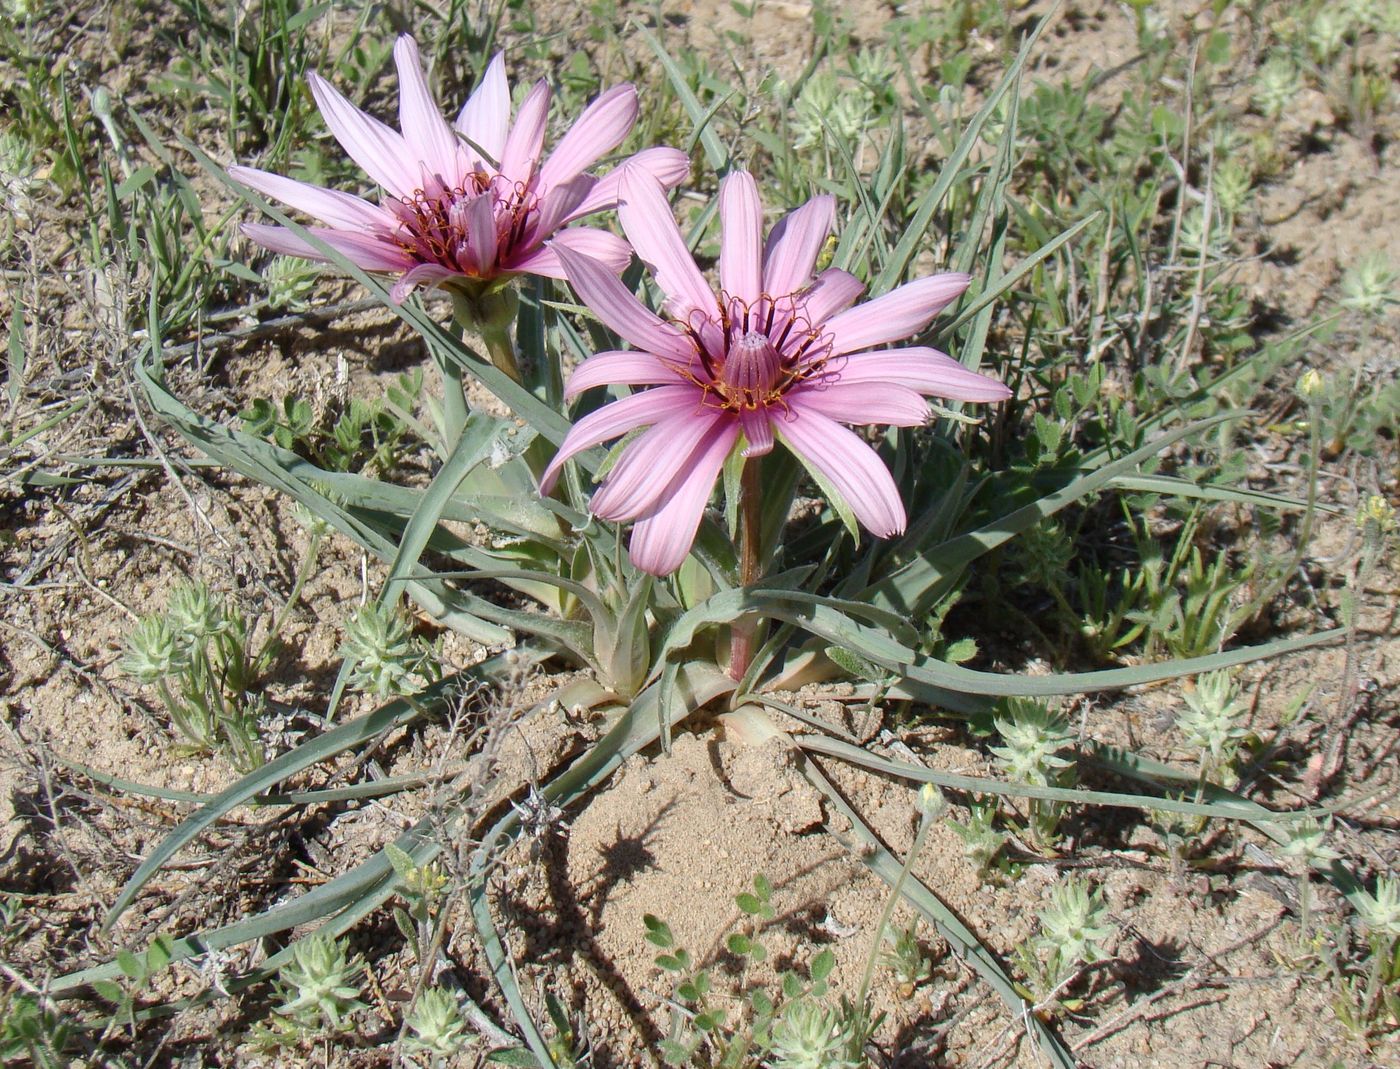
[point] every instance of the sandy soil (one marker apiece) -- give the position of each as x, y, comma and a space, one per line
1202, 969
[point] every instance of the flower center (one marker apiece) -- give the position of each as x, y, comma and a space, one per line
434, 224
751, 372
756, 351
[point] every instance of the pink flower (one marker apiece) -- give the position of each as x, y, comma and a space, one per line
467, 201
776, 354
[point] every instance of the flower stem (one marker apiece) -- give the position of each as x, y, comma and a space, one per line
454, 402
925, 820
744, 636
501, 349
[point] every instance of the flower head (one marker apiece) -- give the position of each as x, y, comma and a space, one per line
775, 354
468, 202
1380, 912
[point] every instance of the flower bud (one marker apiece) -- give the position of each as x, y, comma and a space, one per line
153, 650
931, 802
1312, 387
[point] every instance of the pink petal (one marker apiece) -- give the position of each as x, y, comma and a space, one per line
427, 275
525, 141
897, 315
381, 152
485, 117
794, 244
606, 248
330, 206
648, 223
618, 367
424, 129
595, 133
741, 237
619, 417
757, 425
364, 251
661, 542
647, 468
558, 205
926, 370
862, 403
669, 166
833, 290
851, 467
619, 310
481, 233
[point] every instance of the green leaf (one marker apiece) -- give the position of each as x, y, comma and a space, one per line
738, 943
822, 965
403, 864
517, 1056
109, 990
344, 737
159, 953
748, 903
131, 965
675, 1054
914, 588
952, 170
856, 666
658, 932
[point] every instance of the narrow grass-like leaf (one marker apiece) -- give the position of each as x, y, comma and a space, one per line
821, 617
346, 736
1225, 808
372, 789
268, 465
908, 245
715, 154
1005, 281
479, 437
915, 586
963, 941
1172, 486
14, 381
1266, 822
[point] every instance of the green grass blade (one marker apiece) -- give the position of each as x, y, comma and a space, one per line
963, 941
1266, 822
929, 203
1005, 281
1172, 486
479, 437
715, 155
346, 736
1223, 805
824, 618
914, 587
271, 466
